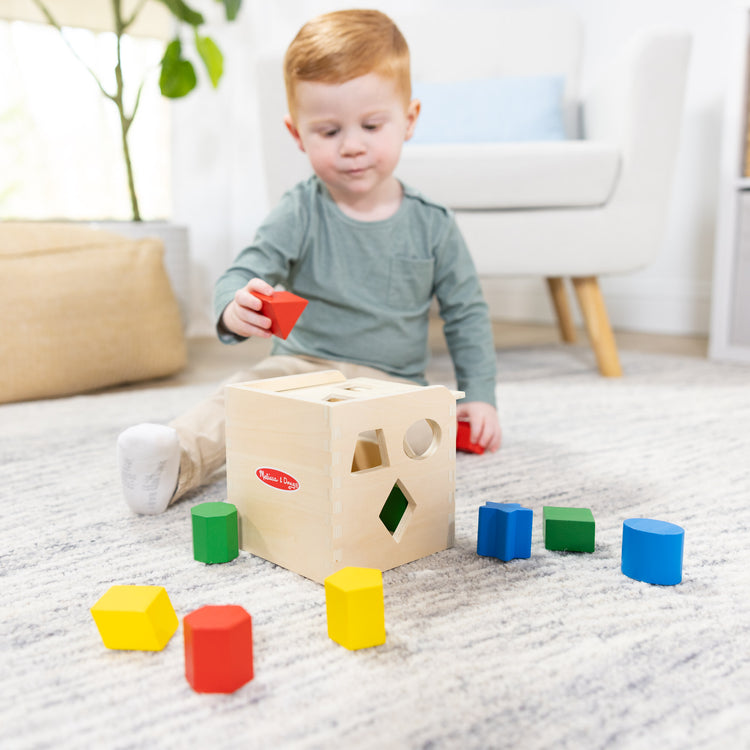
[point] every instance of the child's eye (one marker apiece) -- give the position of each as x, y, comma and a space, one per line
371, 126
330, 132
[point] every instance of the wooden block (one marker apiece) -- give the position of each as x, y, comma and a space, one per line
504, 531
570, 529
284, 309
137, 618
218, 648
215, 532
463, 439
328, 473
652, 551
355, 608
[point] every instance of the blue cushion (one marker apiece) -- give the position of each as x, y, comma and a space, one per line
487, 110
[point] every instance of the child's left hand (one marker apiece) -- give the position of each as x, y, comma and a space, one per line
484, 421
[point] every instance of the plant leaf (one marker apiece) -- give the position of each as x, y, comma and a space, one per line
182, 12
211, 56
177, 74
231, 8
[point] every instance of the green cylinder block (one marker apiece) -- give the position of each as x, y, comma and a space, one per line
215, 532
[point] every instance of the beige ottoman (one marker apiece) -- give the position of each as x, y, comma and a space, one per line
82, 309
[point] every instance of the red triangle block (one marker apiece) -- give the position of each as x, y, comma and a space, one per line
284, 309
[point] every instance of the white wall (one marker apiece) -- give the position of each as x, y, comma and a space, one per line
218, 179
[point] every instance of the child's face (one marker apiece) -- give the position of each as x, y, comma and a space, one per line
353, 133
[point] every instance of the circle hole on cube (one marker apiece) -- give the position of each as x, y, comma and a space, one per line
422, 439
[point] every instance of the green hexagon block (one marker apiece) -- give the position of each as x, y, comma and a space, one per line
215, 532
570, 529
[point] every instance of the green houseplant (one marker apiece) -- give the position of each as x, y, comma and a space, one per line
177, 76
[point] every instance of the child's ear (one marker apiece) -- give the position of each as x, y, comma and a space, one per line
293, 130
412, 115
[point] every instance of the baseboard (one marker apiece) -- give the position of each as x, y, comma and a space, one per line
634, 304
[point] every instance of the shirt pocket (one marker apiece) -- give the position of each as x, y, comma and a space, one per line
410, 282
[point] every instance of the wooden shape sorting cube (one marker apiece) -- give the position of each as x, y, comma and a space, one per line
218, 648
313, 459
652, 551
135, 618
463, 439
215, 532
355, 608
284, 309
569, 529
504, 531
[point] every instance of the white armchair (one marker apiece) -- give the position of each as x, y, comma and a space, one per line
590, 205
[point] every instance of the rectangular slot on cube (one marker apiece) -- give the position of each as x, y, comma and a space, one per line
335, 397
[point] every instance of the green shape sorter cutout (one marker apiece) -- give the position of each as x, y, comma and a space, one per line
394, 509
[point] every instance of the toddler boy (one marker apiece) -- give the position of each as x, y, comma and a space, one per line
366, 251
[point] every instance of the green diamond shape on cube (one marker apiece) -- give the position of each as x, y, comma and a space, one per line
568, 529
215, 532
397, 510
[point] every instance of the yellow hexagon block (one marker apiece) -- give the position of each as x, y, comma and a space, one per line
135, 618
355, 609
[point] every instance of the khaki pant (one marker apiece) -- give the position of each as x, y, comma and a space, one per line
201, 430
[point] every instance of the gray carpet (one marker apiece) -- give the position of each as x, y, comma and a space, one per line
560, 650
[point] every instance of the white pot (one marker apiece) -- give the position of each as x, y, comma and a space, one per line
176, 253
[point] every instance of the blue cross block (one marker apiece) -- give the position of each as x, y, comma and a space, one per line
504, 531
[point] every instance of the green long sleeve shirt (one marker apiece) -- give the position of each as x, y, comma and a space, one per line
370, 285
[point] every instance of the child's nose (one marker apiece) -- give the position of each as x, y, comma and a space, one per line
351, 143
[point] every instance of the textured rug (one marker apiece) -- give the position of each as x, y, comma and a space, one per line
556, 651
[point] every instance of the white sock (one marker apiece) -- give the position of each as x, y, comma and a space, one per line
149, 460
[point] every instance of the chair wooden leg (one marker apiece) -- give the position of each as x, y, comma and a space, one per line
598, 328
559, 296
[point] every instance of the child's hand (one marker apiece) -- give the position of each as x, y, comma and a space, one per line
485, 424
242, 317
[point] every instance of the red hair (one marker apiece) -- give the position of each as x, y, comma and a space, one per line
346, 44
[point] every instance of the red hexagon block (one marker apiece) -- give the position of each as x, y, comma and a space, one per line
218, 648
